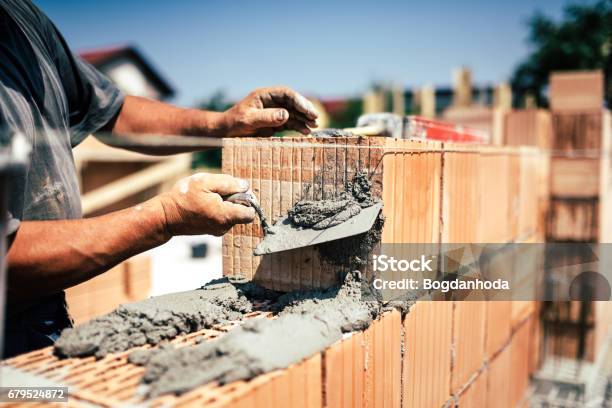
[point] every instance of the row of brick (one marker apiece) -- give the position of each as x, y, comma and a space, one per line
441, 354
432, 192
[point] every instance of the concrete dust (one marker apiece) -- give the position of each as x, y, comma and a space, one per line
332, 133
160, 318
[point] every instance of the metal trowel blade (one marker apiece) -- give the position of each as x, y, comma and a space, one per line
284, 236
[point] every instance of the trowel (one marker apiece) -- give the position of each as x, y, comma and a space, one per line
284, 236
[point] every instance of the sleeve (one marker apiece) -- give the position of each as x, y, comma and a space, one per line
93, 100
98, 101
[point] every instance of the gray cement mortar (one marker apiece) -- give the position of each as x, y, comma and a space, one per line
307, 323
351, 252
160, 318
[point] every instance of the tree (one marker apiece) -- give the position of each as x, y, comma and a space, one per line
582, 40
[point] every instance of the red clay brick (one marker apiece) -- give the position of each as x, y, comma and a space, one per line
468, 341
498, 325
426, 364
498, 384
475, 395
519, 373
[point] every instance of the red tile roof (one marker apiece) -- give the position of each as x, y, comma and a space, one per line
99, 57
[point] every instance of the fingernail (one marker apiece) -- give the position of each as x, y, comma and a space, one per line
280, 115
244, 185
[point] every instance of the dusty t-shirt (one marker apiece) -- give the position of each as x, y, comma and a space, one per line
55, 100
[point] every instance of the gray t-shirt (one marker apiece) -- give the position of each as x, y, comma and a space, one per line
55, 100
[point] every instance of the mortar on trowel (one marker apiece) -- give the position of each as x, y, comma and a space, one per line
284, 236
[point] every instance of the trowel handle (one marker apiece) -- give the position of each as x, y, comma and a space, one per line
247, 198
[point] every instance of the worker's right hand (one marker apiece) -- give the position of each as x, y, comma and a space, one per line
195, 205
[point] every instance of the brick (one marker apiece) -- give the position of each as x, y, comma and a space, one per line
575, 178
468, 341
576, 90
498, 385
383, 359
227, 167
533, 192
365, 367
475, 395
535, 341
345, 372
138, 277
573, 220
296, 386
426, 363
519, 371
575, 132
521, 310
460, 194
495, 181
498, 325
528, 127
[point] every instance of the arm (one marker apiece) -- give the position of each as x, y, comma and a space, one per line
262, 113
74, 251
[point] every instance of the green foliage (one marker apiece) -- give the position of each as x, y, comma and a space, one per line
349, 117
211, 158
582, 40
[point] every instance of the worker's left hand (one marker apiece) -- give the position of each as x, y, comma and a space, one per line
266, 111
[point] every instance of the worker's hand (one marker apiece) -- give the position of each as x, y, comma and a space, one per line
266, 111
195, 205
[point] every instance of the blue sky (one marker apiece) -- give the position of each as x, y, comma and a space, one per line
323, 48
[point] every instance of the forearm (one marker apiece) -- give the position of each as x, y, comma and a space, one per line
48, 256
142, 116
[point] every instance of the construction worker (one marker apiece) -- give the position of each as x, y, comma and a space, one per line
55, 100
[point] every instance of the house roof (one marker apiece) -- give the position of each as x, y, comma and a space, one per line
101, 57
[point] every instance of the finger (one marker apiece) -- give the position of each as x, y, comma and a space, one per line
293, 124
300, 116
265, 118
224, 184
238, 213
289, 98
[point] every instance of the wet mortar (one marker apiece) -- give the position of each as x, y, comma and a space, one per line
161, 318
307, 323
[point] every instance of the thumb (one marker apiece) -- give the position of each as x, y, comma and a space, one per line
271, 117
